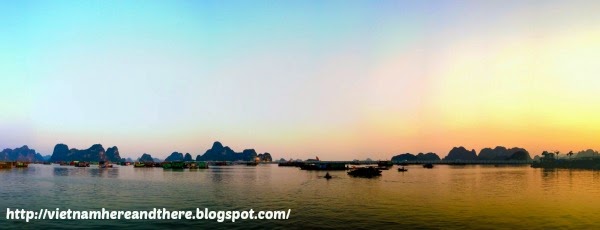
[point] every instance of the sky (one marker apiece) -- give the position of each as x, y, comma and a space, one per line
341, 80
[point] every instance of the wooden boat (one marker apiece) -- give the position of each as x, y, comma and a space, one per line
21, 165
324, 166
252, 164
327, 176
402, 169
192, 166
174, 165
429, 166
104, 164
139, 165
367, 172
384, 164
5, 165
290, 164
82, 164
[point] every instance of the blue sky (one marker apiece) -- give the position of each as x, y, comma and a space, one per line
338, 79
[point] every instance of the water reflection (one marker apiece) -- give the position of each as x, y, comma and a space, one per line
471, 197
60, 171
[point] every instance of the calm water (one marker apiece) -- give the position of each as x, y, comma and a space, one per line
444, 197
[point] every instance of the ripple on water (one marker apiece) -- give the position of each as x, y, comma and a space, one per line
458, 197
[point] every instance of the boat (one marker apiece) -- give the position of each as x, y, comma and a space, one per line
251, 163
429, 166
221, 163
21, 165
324, 166
174, 165
384, 164
5, 165
139, 165
367, 172
47, 163
104, 164
327, 176
402, 169
290, 164
82, 164
192, 166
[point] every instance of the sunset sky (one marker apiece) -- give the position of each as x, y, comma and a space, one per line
341, 80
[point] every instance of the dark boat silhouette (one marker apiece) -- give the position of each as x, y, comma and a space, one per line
367, 172
429, 166
327, 176
402, 169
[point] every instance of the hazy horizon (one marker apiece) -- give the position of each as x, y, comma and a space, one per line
335, 79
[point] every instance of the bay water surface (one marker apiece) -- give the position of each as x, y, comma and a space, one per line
456, 197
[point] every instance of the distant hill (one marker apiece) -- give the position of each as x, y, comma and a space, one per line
94, 153
590, 153
175, 156
418, 157
23, 153
218, 152
502, 153
460, 153
146, 158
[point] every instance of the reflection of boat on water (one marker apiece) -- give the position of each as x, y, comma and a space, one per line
402, 169
429, 166
367, 172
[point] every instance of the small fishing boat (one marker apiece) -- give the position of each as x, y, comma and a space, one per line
402, 169
327, 176
21, 165
251, 163
429, 166
139, 165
